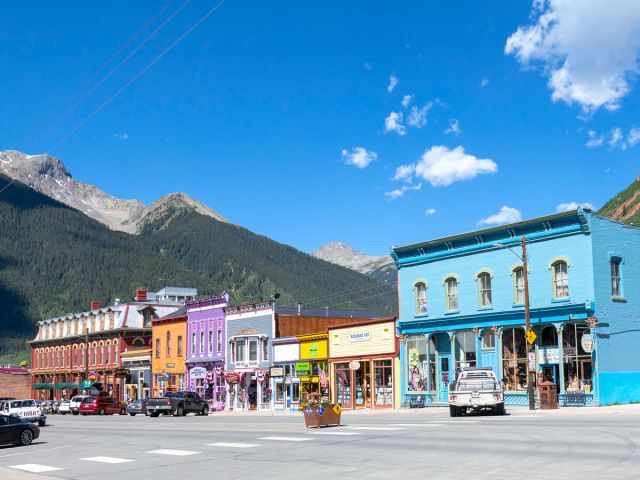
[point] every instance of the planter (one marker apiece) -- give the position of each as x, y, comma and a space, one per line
322, 415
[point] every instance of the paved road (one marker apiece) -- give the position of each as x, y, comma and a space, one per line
426, 443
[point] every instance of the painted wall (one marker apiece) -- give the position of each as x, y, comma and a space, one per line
260, 323
618, 331
207, 316
381, 339
160, 361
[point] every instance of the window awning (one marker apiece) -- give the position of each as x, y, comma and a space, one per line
42, 386
67, 386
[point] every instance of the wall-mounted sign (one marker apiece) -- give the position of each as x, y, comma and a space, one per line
198, 372
303, 367
354, 365
586, 342
359, 337
277, 372
548, 356
313, 350
233, 378
171, 365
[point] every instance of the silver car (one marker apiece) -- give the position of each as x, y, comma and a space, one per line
74, 403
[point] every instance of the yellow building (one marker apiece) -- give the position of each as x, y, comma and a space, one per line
314, 355
364, 365
169, 341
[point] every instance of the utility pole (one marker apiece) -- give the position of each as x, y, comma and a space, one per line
86, 354
527, 321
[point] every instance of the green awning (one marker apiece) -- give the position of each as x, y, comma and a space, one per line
42, 386
67, 386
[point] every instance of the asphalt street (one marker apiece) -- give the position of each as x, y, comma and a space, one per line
418, 443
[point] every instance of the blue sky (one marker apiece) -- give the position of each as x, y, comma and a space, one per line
284, 116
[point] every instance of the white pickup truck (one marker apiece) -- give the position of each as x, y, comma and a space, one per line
25, 409
476, 388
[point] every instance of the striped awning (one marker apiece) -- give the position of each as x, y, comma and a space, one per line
42, 386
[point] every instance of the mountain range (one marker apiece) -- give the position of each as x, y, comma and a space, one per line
380, 268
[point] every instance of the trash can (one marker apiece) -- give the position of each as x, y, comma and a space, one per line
548, 392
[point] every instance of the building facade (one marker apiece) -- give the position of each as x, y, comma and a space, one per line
169, 338
462, 304
206, 344
363, 364
78, 349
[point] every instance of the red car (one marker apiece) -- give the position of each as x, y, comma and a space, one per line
102, 406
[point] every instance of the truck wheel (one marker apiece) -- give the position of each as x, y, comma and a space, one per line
205, 411
453, 411
499, 410
26, 437
76, 413
179, 411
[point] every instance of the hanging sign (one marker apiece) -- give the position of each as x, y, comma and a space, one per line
586, 342
233, 378
354, 365
198, 372
277, 372
219, 370
261, 375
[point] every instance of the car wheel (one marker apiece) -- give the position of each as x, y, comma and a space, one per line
205, 410
76, 413
63, 413
84, 414
26, 437
123, 412
41, 422
132, 414
154, 414
179, 411
101, 412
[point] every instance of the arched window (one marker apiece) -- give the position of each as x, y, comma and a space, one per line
518, 286
451, 289
101, 353
560, 279
616, 290
138, 344
484, 289
421, 297
168, 344
108, 362
549, 337
488, 339
158, 347
115, 352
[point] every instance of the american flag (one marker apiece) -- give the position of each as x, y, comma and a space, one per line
323, 378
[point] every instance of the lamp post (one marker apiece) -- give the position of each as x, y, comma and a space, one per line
527, 317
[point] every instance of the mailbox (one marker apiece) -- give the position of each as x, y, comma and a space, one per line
548, 392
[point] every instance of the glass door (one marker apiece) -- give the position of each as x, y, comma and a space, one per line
443, 378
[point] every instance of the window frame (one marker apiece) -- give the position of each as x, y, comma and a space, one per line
484, 283
449, 307
518, 287
556, 285
421, 304
617, 261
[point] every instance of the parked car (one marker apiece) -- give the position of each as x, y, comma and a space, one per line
16, 430
74, 404
102, 406
476, 388
137, 406
50, 406
65, 407
25, 409
178, 404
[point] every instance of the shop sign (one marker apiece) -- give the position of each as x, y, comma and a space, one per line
233, 378
587, 342
354, 365
548, 355
313, 350
532, 360
303, 367
277, 372
569, 351
171, 365
359, 337
198, 372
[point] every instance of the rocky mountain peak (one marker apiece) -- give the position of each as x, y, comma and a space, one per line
346, 256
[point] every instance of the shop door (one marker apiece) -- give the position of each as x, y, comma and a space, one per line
550, 373
361, 385
443, 378
293, 399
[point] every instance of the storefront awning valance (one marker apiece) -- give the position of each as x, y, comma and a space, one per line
67, 386
42, 386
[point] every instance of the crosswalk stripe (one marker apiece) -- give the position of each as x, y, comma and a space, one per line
178, 453
286, 439
232, 445
332, 432
107, 459
34, 468
377, 428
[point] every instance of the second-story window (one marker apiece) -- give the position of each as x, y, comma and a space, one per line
210, 341
157, 348
240, 350
147, 318
168, 344
193, 343
616, 291
518, 286
219, 342
421, 297
179, 345
201, 342
451, 287
560, 280
484, 289
265, 349
253, 350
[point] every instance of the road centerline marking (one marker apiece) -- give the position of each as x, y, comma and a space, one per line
34, 468
232, 445
286, 439
107, 459
382, 429
178, 453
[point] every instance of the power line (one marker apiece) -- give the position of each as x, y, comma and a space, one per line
386, 284
139, 74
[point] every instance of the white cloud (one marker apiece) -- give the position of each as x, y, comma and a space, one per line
441, 167
418, 116
393, 123
359, 157
567, 207
595, 140
393, 82
484, 82
617, 139
505, 215
398, 192
430, 211
634, 137
406, 100
454, 127
121, 136
588, 49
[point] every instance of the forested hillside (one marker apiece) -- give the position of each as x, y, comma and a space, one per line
625, 206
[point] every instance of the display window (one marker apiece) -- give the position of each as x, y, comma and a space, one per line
514, 359
416, 363
383, 383
343, 384
578, 365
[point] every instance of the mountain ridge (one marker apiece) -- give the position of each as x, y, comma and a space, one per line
380, 268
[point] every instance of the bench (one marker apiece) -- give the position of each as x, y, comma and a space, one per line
578, 398
416, 401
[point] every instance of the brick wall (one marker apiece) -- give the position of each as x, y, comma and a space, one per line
17, 386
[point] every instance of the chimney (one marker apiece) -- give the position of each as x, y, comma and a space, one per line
141, 295
95, 305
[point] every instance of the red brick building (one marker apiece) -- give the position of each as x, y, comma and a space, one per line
15, 382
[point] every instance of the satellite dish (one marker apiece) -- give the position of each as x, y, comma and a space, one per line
275, 296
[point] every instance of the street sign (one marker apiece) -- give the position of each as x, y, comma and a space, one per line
531, 337
586, 342
86, 384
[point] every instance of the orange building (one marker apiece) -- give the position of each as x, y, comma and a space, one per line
169, 343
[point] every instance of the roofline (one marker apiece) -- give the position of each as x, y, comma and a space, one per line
556, 216
364, 321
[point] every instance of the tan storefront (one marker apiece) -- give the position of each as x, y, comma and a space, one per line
364, 364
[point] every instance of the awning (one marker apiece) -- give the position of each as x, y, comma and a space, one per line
67, 386
42, 386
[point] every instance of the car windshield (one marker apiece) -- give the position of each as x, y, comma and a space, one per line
173, 394
476, 384
76, 399
89, 400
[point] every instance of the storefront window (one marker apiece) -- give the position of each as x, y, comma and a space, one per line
416, 363
343, 384
488, 340
514, 359
383, 392
549, 337
578, 373
280, 392
465, 354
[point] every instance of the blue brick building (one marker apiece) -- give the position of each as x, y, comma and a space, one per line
462, 304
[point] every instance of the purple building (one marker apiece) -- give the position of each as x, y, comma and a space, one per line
205, 353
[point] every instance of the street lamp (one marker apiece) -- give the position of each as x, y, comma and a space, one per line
527, 319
